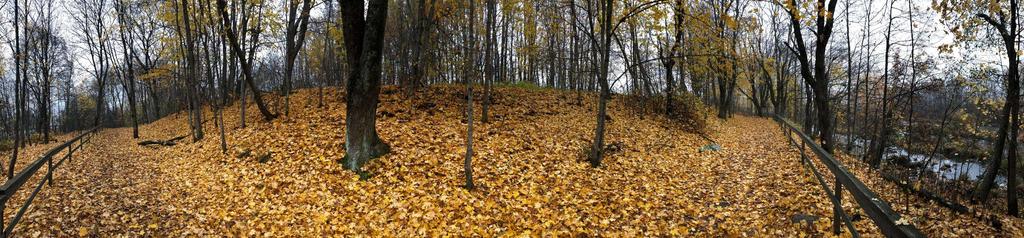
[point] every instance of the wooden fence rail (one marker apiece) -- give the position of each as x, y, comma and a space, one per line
15, 183
879, 211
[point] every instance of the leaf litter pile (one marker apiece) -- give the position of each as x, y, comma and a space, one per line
283, 178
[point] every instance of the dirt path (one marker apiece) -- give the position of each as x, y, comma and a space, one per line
106, 188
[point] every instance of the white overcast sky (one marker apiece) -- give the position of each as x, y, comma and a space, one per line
931, 33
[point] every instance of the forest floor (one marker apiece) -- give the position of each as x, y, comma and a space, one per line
528, 167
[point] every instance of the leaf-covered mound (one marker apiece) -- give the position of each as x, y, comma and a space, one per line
282, 178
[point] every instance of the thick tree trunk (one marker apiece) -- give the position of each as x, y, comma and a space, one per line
991, 170
819, 79
192, 77
723, 98
821, 85
362, 142
821, 101
1009, 121
155, 99
100, 104
781, 101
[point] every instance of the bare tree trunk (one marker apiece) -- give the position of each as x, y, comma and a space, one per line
246, 63
866, 79
17, 94
191, 68
362, 142
849, 80
672, 53
468, 69
597, 149
1009, 120
819, 79
881, 139
913, 79
489, 58
1011, 157
296, 28
130, 76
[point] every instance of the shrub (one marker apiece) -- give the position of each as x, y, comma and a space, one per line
520, 84
689, 110
6, 145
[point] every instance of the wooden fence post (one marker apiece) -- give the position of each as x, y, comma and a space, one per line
49, 171
3, 206
838, 208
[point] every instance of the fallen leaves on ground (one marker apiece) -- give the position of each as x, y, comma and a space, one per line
527, 165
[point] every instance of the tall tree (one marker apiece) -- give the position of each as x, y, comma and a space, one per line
188, 34
295, 36
849, 80
819, 78
128, 55
729, 65
913, 77
597, 146
247, 62
469, 68
868, 64
364, 40
881, 137
43, 49
91, 21
329, 61
489, 58
17, 83
670, 59
1001, 16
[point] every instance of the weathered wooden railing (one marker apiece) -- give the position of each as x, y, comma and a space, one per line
14, 184
876, 209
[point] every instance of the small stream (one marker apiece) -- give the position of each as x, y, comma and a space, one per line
950, 169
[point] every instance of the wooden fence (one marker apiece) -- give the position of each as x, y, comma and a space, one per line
15, 183
879, 211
